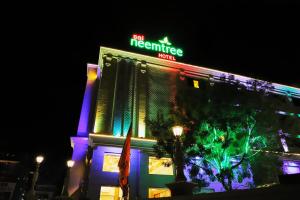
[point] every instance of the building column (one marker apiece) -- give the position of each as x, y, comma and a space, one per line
77, 172
86, 115
81, 151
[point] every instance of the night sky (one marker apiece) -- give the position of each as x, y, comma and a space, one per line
45, 49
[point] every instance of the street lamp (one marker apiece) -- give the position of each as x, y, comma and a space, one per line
70, 164
31, 193
39, 159
177, 131
180, 186
178, 156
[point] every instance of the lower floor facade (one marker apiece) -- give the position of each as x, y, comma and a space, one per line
146, 173
96, 170
97, 157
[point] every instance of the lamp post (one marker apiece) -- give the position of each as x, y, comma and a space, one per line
177, 131
64, 192
180, 186
31, 193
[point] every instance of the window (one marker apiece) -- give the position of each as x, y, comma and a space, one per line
159, 192
110, 193
196, 83
160, 166
291, 167
110, 162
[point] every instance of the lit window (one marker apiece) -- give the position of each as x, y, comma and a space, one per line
110, 193
291, 167
110, 162
161, 166
196, 83
159, 192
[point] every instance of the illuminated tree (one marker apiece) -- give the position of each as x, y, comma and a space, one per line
222, 151
227, 126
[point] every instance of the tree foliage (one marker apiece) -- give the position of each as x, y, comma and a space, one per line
227, 125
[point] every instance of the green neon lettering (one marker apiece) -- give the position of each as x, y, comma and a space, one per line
179, 52
163, 46
167, 49
141, 43
173, 51
147, 45
133, 42
156, 47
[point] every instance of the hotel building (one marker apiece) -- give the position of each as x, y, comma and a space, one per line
128, 87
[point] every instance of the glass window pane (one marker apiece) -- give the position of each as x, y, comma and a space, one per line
160, 166
159, 192
110, 162
110, 193
291, 167
196, 83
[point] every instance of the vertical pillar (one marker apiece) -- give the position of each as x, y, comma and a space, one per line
104, 105
77, 172
80, 143
141, 97
93, 74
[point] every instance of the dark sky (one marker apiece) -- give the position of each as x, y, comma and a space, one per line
45, 49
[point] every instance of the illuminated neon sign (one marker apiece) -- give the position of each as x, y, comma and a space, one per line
163, 47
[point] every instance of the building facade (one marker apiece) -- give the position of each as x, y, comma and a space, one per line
127, 88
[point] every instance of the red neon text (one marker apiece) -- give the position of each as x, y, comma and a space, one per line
138, 36
166, 56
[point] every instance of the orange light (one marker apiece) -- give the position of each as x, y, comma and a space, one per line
92, 75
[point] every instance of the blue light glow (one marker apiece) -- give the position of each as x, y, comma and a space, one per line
291, 167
